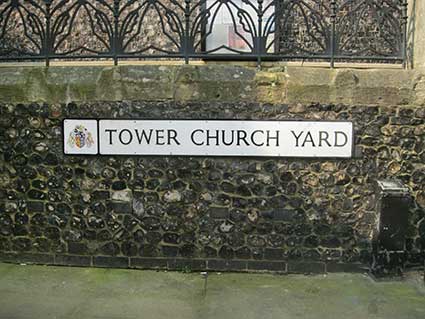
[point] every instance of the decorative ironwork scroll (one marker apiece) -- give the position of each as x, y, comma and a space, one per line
370, 28
329, 30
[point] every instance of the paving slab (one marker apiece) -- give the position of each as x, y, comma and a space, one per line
29, 291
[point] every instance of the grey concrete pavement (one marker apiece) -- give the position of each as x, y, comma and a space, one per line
60, 292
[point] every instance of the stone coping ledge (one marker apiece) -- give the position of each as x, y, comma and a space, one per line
210, 82
265, 65
185, 264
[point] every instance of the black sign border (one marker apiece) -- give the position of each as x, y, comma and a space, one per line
353, 146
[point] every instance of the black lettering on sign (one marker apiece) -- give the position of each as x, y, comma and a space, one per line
271, 137
172, 135
242, 137
309, 139
323, 137
110, 135
160, 137
143, 136
253, 138
223, 137
344, 136
212, 137
297, 137
122, 137
192, 137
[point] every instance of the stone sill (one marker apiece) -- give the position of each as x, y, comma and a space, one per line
265, 65
281, 83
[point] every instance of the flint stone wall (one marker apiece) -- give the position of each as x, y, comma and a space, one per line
288, 215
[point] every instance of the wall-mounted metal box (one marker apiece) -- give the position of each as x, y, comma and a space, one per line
393, 202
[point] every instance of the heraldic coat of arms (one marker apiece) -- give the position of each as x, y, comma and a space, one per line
80, 137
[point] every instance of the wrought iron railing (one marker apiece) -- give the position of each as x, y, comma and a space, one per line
331, 30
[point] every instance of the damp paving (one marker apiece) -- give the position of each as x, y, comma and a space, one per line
29, 291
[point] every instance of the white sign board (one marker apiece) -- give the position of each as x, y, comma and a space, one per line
210, 138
